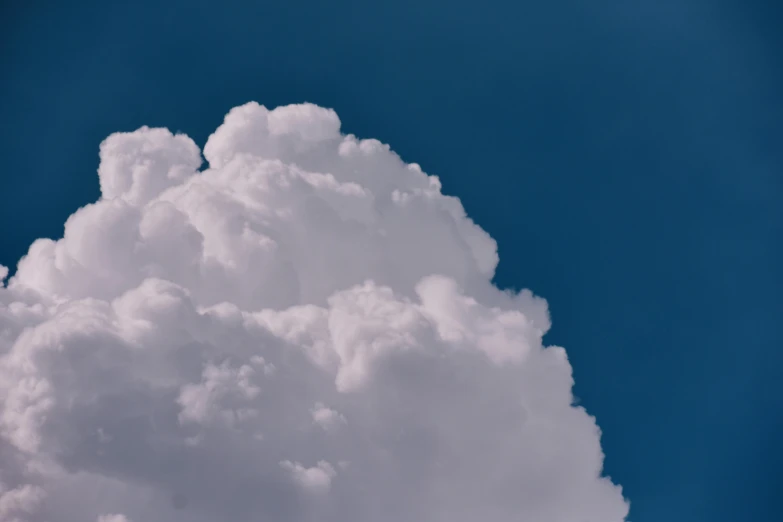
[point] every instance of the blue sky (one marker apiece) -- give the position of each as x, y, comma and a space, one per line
627, 157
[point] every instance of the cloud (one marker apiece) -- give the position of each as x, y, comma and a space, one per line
113, 518
306, 329
326, 418
19, 501
317, 478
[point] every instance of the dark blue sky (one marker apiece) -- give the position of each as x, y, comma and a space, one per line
627, 156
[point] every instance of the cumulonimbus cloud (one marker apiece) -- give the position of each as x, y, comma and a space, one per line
304, 330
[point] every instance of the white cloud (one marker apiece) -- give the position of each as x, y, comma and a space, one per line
305, 330
19, 501
326, 418
317, 478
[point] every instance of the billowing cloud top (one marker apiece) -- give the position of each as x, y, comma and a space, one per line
306, 330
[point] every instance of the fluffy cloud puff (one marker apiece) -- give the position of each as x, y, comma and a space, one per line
304, 330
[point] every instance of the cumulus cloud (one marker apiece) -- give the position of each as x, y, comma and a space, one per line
325, 417
303, 329
19, 501
317, 478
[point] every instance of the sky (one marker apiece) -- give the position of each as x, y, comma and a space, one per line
625, 156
